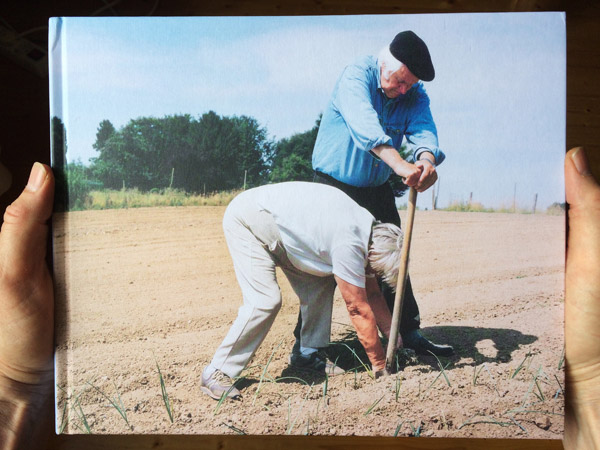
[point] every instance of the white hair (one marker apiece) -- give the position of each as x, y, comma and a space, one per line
384, 252
388, 64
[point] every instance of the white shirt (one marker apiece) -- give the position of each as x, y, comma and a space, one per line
323, 230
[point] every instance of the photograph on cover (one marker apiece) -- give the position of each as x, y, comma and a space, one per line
226, 240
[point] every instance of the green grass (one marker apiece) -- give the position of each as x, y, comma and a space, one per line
292, 423
364, 366
442, 372
416, 431
236, 430
484, 419
442, 368
476, 373
64, 415
467, 207
372, 407
133, 198
520, 366
532, 388
560, 389
81, 415
164, 394
77, 408
561, 361
478, 207
63, 419
397, 386
398, 428
117, 402
264, 372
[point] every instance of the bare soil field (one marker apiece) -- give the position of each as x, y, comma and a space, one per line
154, 288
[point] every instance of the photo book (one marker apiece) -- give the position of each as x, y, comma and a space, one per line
158, 125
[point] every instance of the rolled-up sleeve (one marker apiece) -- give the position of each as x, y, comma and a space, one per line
353, 101
421, 132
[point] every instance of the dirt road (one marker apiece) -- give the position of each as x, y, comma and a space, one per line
156, 285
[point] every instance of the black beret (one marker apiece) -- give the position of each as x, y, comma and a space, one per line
410, 49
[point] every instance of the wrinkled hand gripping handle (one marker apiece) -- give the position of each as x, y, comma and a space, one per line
402, 274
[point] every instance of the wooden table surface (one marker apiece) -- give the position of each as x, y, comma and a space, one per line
24, 131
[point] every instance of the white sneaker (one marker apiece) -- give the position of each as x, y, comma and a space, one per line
218, 384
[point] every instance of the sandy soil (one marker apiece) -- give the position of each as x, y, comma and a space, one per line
156, 286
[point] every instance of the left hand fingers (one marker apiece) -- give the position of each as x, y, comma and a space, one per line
428, 178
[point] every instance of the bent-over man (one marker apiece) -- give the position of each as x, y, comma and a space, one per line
319, 237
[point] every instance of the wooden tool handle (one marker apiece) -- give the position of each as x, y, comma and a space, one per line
402, 275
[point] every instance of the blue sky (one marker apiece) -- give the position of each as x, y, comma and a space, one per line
498, 98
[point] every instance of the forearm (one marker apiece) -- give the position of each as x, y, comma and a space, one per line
25, 413
382, 313
380, 309
427, 156
363, 321
392, 158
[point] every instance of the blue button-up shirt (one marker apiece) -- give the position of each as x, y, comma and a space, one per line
360, 117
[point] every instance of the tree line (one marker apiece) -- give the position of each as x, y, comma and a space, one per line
197, 155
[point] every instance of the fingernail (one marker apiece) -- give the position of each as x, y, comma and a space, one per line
36, 177
580, 161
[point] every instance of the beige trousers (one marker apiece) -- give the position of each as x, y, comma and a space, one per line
256, 249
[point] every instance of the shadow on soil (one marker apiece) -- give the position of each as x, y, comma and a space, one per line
349, 354
464, 340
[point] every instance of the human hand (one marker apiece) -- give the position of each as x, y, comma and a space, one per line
411, 173
428, 175
582, 305
26, 311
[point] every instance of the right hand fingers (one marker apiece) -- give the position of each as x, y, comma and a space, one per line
412, 175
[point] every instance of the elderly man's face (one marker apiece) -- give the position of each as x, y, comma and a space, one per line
399, 82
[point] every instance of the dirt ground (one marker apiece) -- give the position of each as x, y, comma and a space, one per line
154, 287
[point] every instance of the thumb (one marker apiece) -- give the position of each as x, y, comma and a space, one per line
582, 305
583, 196
581, 187
24, 231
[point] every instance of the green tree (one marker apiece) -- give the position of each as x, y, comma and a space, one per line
72, 179
252, 151
212, 153
227, 149
106, 130
108, 167
292, 157
79, 185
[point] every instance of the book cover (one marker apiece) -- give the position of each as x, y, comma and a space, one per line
158, 123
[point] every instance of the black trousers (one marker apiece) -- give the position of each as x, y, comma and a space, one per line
380, 202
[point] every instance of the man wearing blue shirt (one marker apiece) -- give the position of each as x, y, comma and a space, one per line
375, 104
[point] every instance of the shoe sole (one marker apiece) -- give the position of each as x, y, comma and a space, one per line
208, 392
